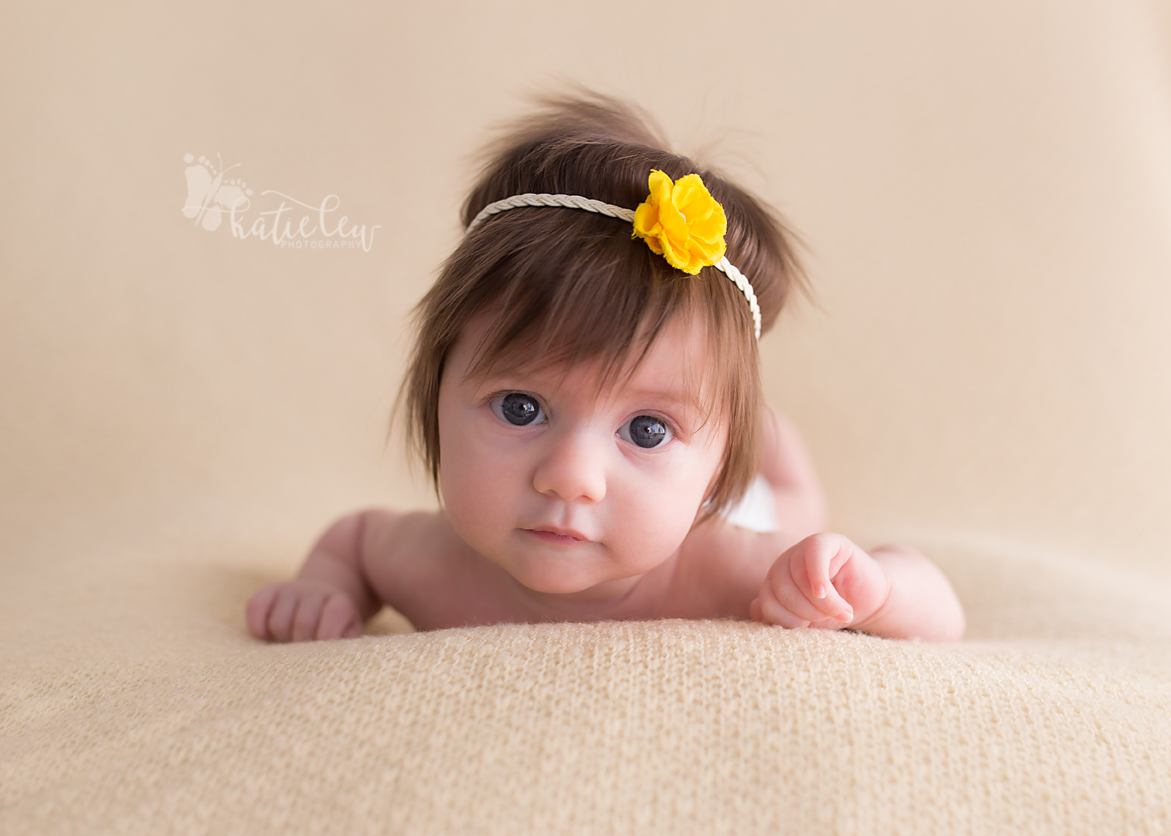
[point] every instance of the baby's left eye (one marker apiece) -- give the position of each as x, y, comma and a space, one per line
646, 431
518, 409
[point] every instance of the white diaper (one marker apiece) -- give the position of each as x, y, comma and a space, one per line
757, 510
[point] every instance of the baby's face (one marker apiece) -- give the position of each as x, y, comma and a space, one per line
571, 491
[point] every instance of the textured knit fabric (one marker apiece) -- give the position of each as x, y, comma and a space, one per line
140, 705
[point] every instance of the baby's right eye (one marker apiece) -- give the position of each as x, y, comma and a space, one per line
519, 409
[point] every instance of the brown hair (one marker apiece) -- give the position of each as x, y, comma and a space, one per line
569, 286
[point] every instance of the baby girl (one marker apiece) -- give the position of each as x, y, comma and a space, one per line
585, 391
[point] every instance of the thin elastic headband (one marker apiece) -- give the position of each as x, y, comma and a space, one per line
686, 244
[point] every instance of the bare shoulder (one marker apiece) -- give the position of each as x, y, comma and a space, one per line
384, 529
402, 553
721, 568
416, 563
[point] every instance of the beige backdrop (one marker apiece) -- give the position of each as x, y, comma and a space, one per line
984, 189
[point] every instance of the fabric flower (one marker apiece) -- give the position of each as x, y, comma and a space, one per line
682, 222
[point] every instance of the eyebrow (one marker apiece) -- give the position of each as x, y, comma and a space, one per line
669, 398
688, 409
687, 394
686, 397
690, 400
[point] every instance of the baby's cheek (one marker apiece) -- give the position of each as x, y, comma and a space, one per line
483, 494
466, 498
661, 516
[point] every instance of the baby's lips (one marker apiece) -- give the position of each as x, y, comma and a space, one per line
553, 532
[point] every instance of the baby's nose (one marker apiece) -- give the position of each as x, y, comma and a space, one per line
573, 468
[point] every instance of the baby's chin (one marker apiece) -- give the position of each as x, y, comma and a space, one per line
573, 586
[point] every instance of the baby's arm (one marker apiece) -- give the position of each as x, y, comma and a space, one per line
330, 598
788, 467
826, 581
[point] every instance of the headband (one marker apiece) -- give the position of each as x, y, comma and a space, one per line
680, 221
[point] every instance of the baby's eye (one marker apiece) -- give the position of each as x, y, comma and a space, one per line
646, 431
519, 409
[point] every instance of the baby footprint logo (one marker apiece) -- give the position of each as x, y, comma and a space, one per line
208, 195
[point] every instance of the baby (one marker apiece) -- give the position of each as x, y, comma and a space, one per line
585, 391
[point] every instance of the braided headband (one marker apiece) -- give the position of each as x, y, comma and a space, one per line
680, 221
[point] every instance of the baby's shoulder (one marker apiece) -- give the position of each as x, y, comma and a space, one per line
397, 545
385, 529
722, 565
417, 564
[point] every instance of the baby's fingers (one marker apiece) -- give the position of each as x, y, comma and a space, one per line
781, 600
279, 624
307, 615
824, 556
767, 609
258, 609
300, 611
339, 619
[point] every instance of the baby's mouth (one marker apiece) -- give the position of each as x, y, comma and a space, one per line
558, 536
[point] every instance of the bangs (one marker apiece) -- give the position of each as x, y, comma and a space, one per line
583, 294
561, 287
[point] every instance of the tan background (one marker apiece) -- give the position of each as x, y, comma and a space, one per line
985, 191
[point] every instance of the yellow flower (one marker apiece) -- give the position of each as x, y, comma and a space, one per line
682, 222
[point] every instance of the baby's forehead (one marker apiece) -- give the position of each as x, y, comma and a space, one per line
671, 367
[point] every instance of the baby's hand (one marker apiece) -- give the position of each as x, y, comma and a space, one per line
303, 611
824, 581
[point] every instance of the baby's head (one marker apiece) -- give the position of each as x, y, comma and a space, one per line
542, 288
